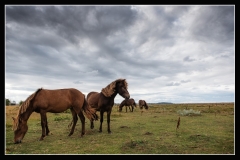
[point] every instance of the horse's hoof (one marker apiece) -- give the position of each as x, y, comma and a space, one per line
17, 142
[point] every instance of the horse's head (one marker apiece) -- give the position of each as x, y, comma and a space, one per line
20, 129
145, 105
120, 108
121, 88
121, 105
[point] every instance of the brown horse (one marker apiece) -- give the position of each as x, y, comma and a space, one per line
128, 103
142, 104
104, 100
54, 101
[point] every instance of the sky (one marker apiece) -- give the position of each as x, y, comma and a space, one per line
166, 53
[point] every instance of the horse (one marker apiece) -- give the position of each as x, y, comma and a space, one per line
54, 101
103, 101
128, 103
142, 103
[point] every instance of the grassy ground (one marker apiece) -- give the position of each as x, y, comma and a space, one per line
152, 131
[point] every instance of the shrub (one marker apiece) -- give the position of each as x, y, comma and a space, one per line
7, 102
189, 112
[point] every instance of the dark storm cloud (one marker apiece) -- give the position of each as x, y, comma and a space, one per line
214, 23
158, 49
73, 22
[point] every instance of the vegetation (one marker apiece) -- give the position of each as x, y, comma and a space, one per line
7, 101
20, 103
188, 112
153, 131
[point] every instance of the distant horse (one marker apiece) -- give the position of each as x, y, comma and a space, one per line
142, 104
128, 103
54, 101
104, 100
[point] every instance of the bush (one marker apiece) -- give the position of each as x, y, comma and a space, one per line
7, 102
189, 112
20, 103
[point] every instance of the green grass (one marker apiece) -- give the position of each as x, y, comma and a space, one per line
148, 132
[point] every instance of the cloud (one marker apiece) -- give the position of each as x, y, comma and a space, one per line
163, 51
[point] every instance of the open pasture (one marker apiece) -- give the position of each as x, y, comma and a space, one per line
204, 128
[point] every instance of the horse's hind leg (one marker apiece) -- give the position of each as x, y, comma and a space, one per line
91, 121
131, 110
74, 115
101, 121
92, 124
82, 118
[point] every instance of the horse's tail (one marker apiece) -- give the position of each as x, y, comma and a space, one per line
70, 124
89, 111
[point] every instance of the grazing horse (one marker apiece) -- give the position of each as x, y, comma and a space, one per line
54, 101
128, 103
104, 100
142, 104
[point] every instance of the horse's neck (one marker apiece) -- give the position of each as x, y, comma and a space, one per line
114, 95
25, 115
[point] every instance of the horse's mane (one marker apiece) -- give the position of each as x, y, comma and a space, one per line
110, 89
24, 106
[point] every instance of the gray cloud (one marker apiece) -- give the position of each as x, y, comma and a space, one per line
163, 51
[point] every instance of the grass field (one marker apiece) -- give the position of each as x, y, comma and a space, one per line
154, 131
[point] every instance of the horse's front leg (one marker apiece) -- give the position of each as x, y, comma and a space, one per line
108, 120
91, 121
47, 130
43, 124
101, 120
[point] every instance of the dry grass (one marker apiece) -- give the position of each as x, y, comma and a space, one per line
138, 132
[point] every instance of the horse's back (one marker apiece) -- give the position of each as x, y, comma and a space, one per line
58, 100
129, 102
133, 101
61, 94
92, 99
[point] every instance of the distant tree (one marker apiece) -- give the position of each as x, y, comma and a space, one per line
20, 103
7, 102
